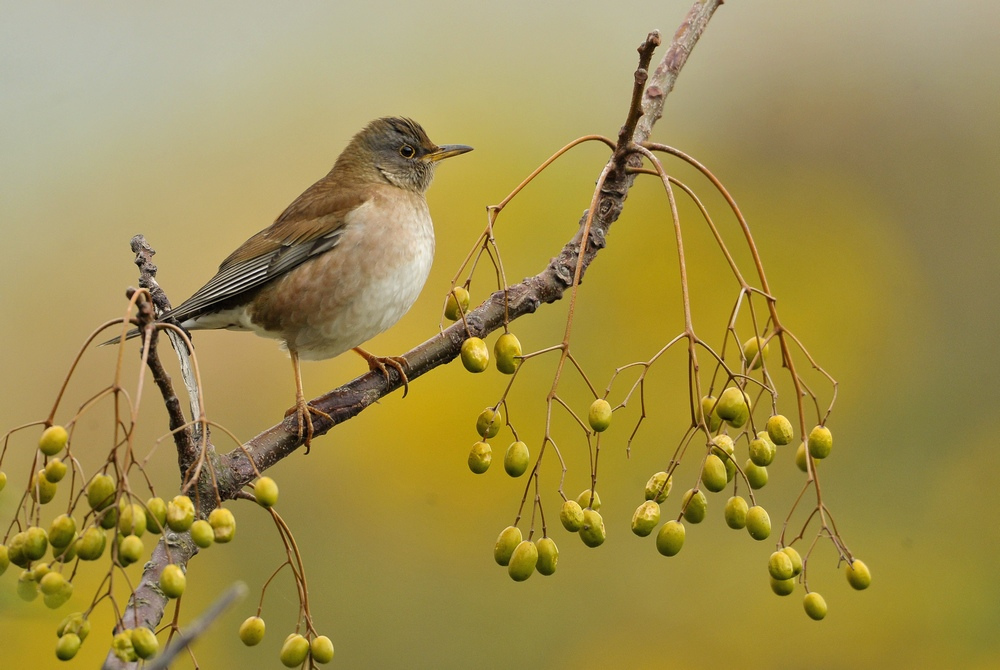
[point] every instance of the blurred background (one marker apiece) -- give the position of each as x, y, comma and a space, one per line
859, 138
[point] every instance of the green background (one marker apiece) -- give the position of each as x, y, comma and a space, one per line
860, 140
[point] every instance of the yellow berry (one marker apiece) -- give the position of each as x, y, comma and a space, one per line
266, 491
202, 533
4, 559
756, 474
121, 646
294, 651
76, 624
762, 450
695, 506
815, 606
321, 649
131, 519
516, 460
820, 442
571, 516
736, 513
475, 355
458, 303
55, 470
90, 545
480, 457
707, 407
100, 492
645, 518
507, 351
129, 550
670, 539
795, 558
156, 515
144, 642
588, 498
53, 440
36, 543
758, 523
548, 556
751, 349
779, 429
658, 487
67, 646
42, 490
713, 474
223, 523
800, 458
52, 582
782, 587
523, 561
734, 407
252, 631
3, 479
593, 532
180, 513
172, 581
62, 531
489, 422
779, 565
507, 541
599, 415
858, 575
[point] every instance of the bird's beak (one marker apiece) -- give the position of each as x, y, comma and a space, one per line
447, 151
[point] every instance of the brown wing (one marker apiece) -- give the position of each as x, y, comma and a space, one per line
309, 226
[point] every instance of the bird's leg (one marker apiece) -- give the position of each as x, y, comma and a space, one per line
302, 408
380, 362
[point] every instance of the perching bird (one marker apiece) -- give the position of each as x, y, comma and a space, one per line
341, 264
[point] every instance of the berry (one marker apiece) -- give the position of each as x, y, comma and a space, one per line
585, 500
695, 506
475, 355
820, 442
67, 646
734, 407
42, 490
779, 429
51, 583
670, 539
756, 475
489, 423
858, 575
458, 303
782, 587
53, 440
571, 516
795, 558
100, 492
62, 531
121, 646
144, 642
658, 487
523, 561
599, 415
27, 589
76, 624
751, 349
294, 651
713, 474
548, 556
90, 545
515, 461
180, 513
156, 515
172, 581
507, 541
36, 543
266, 491
129, 550
202, 533
645, 518
800, 458
223, 523
758, 523
131, 519
708, 407
593, 532
4, 559
762, 450
507, 351
55, 470
736, 513
480, 457
252, 631
815, 606
321, 649
3, 480
779, 566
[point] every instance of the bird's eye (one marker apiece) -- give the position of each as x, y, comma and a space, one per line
406, 151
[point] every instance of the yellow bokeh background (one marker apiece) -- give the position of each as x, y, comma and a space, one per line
861, 141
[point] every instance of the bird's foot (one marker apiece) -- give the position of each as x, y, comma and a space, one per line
383, 363
303, 411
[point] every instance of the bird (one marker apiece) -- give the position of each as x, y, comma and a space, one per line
343, 262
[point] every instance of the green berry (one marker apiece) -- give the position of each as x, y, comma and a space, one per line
645, 518
36, 543
67, 553
62, 531
723, 446
90, 545
202, 533
42, 490
507, 541
779, 565
548, 556
489, 423
523, 561
16, 550
795, 558
708, 407
515, 461
571, 516
172, 581
223, 524
156, 515
101, 492
751, 349
756, 474
820, 442
782, 587
758, 523
67, 646
52, 583
734, 407
507, 351
108, 518
736, 513
294, 651
55, 470
858, 575
252, 631
121, 646
815, 606
800, 458
779, 429
599, 415
266, 491
695, 506
593, 532
53, 440
762, 450
321, 649
131, 519
74, 623
458, 303
129, 550
480, 457
670, 539
658, 487
588, 498
475, 355
144, 642
713, 474
180, 513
